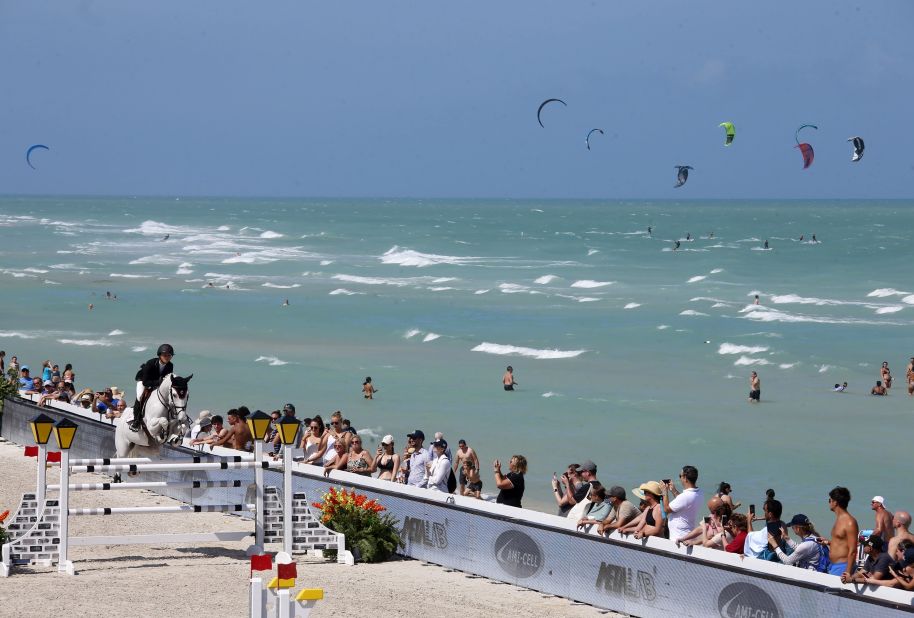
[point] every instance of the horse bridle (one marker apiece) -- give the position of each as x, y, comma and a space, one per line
171, 405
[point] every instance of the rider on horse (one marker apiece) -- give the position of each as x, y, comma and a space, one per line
148, 378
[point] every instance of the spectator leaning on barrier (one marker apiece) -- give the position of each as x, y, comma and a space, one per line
876, 565
621, 512
807, 553
682, 511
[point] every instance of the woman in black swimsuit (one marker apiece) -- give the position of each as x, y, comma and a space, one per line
387, 460
650, 521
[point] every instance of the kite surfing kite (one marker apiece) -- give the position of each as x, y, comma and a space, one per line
682, 175
28, 153
731, 132
805, 149
591, 132
542, 105
858, 147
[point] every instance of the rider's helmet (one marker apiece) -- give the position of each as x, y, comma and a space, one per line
165, 348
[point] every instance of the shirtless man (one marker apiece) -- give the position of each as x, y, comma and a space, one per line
464, 453
909, 374
901, 522
883, 525
508, 379
879, 389
240, 436
843, 544
755, 388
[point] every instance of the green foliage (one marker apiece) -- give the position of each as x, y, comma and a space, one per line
373, 536
8, 388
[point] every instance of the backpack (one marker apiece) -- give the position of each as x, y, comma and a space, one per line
824, 560
451, 482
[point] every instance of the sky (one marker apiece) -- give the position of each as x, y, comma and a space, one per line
400, 98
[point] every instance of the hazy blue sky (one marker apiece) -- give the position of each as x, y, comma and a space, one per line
427, 98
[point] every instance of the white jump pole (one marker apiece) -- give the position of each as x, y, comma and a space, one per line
183, 508
168, 467
287, 502
148, 485
109, 461
64, 565
41, 493
258, 500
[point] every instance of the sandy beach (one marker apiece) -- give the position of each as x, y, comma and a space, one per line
211, 579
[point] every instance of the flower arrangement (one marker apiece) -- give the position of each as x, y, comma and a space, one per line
3, 517
371, 536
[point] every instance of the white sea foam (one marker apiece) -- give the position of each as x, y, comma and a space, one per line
223, 228
279, 286
592, 251
697, 278
589, 283
326, 262
908, 300
161, 260
824, 368
139, 348
717, 305
732, 348
344, 292
373, 280
155, 228
440, 288
87, 342
430, 337
12, 334
717, 270
787, 365
632, 305
121, 276
115, 333
548, 394
496, 348
272, 361
184, 269
761, 313
890, 309
35, 270
545, 279
411, 333
692, 312
879, 293
477, 292
409, 257
516, 288
748, 360
63, 266
443, 279
269, 234
663, 327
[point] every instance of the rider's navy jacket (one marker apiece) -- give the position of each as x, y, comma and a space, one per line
150, 375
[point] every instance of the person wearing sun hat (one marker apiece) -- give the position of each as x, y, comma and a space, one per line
650, 521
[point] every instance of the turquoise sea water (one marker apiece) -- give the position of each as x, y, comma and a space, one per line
626, 352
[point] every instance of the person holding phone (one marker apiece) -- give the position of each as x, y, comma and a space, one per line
807, 552
682, 510
737, 526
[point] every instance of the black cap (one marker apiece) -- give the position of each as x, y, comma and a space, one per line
875, 541
416, 434
442, 443
288, 408
798, 520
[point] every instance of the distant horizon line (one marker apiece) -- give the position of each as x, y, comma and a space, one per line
440, 198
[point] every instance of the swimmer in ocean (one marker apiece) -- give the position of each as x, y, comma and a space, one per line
91, 306
814, 238
801, 237
650, 231
676, 246
711, 235
688, 236
508, 379
756, 299
285, 303
167, 236
766, 243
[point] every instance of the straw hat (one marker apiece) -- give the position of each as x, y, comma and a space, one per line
652, 486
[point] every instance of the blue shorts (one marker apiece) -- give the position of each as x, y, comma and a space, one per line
837, 568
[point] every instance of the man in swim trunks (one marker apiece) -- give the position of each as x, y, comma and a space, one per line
843, 544
464, 453
755, 388
508, 379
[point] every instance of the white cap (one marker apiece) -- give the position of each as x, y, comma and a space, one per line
388, 439
879, 499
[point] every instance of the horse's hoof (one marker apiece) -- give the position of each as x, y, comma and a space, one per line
132, 473
117, 477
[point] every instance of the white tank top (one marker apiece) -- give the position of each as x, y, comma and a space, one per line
330, 453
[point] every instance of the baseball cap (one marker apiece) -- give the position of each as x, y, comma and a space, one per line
879, 499
24, 368
416, 434
798, 520
442, 443
388, 439
875, 541
587, 466
288, 408
616, 492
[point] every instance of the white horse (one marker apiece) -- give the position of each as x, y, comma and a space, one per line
165, 420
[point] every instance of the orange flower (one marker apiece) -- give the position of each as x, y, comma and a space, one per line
4, 515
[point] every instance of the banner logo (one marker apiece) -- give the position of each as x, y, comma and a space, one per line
518, 554
623, 581
741, 600
429, 533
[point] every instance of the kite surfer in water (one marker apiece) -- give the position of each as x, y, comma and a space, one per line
676, 246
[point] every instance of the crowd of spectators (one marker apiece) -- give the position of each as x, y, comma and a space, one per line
663, 509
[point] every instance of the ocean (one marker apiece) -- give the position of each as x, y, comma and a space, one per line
626, 352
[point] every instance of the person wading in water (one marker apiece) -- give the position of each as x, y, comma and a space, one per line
148, 379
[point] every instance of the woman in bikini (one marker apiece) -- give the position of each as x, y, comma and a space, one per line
368, 389
359, 460
650, 521
387, 460
886, 374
